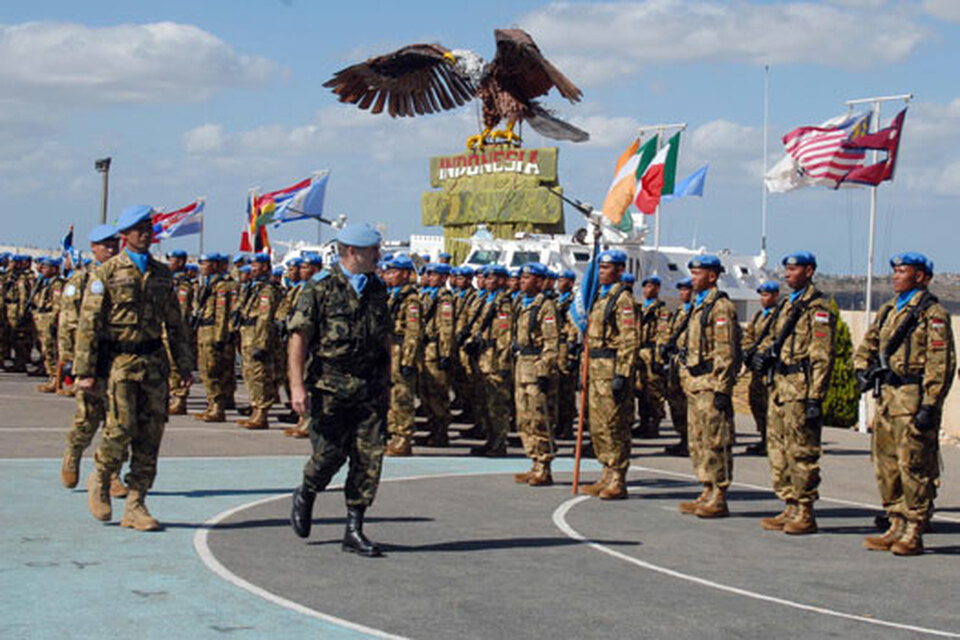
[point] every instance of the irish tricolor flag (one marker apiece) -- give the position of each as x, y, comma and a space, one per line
657, 178
622, 190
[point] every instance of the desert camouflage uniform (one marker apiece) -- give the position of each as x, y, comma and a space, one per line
406, 312
438, 352
492, 336
214, 301
568, 366
676, 396
46, 301
654, 319
537, 343
185, 291
257, 339
20, 319
757, 336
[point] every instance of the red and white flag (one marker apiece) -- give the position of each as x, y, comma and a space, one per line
817, 155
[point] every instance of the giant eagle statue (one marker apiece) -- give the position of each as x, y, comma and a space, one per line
428, 78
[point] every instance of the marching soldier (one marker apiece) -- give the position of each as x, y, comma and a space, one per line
568, 356
797, 366
406, 312
438, 344
212, 324
670, 356
18, 295
537, 343
45, 306
128, 304
757, 337
711, 348
186, 294
654, 320
907, 358
258, 307
342, 321
611, 339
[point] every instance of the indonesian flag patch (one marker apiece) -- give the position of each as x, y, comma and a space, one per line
721, 321
821, 316
937, 323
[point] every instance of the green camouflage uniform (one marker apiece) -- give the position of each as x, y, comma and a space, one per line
537, 343
347, 337
258, 339
711, 344
119, 336
438, 352
757, 336
406, 311
905, 459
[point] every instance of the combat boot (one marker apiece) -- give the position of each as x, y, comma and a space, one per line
117, 488
256, 421
715, 506
911, 541
98, 496
523, 478
777, 522
616, 489
214, 413
70, 470
50, 386
203, 414
541, 477
803, 521
399, 447
68, 392
301, 512
353, 539
135, 514
885, 542
438, 438
178, 406
691, 507
598, 486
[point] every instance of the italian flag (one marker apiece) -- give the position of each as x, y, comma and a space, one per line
625, 180
657, 177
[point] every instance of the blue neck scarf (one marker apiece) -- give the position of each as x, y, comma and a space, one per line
767, 311
904, 298
700, 297
139, 259
795, 295
358, 281
528, 300
648, 301
563, 297
605, 289
686, 306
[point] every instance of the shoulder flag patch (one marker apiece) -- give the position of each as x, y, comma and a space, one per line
821, 316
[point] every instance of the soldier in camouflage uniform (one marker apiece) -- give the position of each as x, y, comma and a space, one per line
309, 266
908, 359
19, 318
670, 357
406, 313
711, 348
342, 322
128, 304
438, 351
45, 307
257, 338
212, 322
797, 366
756, 338
568, 356
186, 294
654, 317
229, 353
463, 296
611, 341
537, 342
469, 309
288, 292
91, 404
5, 277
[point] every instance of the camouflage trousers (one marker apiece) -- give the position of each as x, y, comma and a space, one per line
21, 344
650, 388
229, 365
609, 419
136, 414
759, 401
400, 415
47, 337
567, 399
677, 401
90, 414
711, 436
343, 431
533, 421
906, 465
213, 367
435, 396
793, 448
258, 376
494, 407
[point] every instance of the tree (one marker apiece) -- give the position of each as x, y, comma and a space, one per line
840, 409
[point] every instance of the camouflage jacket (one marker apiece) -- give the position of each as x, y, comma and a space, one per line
567, 356
537, 340
18, 297
214, 302
758, 334
493, 334
123, 316
46, 298
711, 346
438, 325
186, 291
71, 300
406, 310
257, 314
612, 334
806, 358
929, 354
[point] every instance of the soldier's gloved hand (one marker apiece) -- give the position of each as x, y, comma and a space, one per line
863, 381
444, 364
619, 387
926, 418
723, 403
812, 410
406, 372
543, 384
757, 362
462, 338
259, 355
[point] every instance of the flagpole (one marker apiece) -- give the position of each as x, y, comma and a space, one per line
763, 185
584, 371
660, 129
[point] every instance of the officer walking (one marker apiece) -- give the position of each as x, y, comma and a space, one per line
406, 312
907, 358
342, 322
756, 338
127, 306
711, 348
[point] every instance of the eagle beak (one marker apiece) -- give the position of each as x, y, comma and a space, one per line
449, 57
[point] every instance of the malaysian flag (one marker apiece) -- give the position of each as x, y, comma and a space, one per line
817, 155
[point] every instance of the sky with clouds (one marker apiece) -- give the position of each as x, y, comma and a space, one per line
216, 97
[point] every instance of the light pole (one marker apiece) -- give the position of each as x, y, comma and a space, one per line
103, 166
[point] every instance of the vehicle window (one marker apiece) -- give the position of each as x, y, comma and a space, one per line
484, 256
522, 257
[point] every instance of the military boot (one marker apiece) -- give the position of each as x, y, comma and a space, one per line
301, 512
50, 386
885, 542
541, 477
438, 437
203, 414
256, 421
399, 447
178, 406
353, 539
715, 506
135, 514
522, 478
616, 489
777, 522
68, 392
803, 522
117, 488
691, 507
598, 486
215, 413
98, 496
911, 540
70, 470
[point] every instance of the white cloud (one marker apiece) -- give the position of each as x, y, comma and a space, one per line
137, 63
206, 138
596, 42
944, 9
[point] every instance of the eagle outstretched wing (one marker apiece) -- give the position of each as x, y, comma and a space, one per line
410, 81
522, 70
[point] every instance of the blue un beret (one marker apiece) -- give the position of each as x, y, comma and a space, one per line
443, 255
467, 271
241, 258
295, 262
178, 253
614, 256
192, 268
437, 267
262, 258
553, 275
277, 270
5, 255
569, 274
496, 270
628, 278
245, 269
652, 280
208, 257
912, 259
513, 273
801, 258
534, 269
359, 235
102, 232
404, 263
770, 286
706, 261
132, 216
686, 283
314, 260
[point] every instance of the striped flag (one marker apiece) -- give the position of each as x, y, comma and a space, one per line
658, 177
182, 222
623, 188
817, 156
